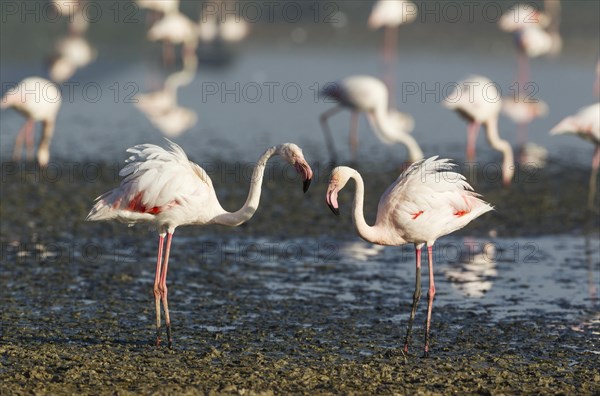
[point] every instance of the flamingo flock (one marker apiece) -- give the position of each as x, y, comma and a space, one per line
161, 187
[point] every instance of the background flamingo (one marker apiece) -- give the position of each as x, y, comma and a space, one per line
478, 101
173, 29
428, 200
38, 100
522, 111
162, 187
369, 95
72, 52
536, 33
390, 14
585, 124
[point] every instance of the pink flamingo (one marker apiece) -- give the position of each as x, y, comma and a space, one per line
369, 95
477, 100
38, 100
586, 125
162, 187
428, 200
173, 29
522, 111
390, 14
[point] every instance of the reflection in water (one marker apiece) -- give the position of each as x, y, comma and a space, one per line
161, 107
522, 111
473, 277
174, 121
360, 250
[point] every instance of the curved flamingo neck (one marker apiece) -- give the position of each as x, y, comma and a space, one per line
365, 231
499, 144
246, 212
380, 122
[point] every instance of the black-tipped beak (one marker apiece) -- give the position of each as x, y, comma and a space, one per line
306, 185
335, 211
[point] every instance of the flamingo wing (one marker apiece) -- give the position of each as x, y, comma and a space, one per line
430, 198
155, 180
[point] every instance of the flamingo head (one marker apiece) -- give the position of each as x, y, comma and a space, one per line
337, 181
9, 99
293, 154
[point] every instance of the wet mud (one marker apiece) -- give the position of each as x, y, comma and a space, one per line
283, 305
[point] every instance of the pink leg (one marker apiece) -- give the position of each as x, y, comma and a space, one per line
157, 278
168, 54
22, 135
472, 132
389, 58
163, 290
430, 296
593, 177
522, 132
354, 135
327, 132
523, 73
29, 141
416, 298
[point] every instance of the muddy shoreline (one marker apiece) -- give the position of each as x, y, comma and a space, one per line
77, 315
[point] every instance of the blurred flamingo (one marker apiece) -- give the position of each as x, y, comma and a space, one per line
163, 188
38, 100
428, 200
159, 101
173, 29
597, 81
522, 111
74, 11
390, 14
369, 95
585, 124
477, 99
72, 52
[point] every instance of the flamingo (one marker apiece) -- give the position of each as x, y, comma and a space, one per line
522, 15
369, 95
72, 52
163, 188
596, 88
428, 200
390, 14
157, 102
522, 111
477, 100
586, 125
38, 100
73, 10
173, 29
160, 6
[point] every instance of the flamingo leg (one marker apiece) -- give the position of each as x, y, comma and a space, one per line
472, 132
18, 150
522, 132
157, 278
593, 177
416, 298
523, 72
29, 140
168, 54
430, 296
390, 54
354, 135
163, 289
327, 132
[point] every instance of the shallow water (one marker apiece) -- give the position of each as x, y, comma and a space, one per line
293, 301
